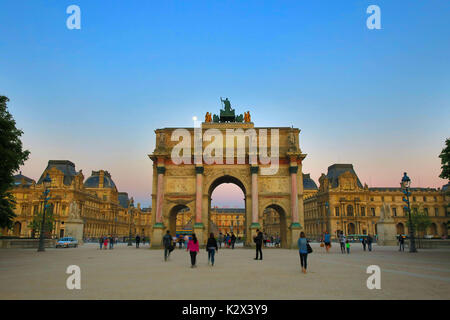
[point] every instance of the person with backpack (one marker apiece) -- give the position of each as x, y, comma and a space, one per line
220, 239
111, 242
369, 242
138, 240
100, 241
167, 242
342, 241
327, 241
259, 242
303, 248
193, 248
401, 243
233, 240
211, 248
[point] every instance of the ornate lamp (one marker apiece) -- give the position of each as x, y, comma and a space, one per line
46, 183
405, 184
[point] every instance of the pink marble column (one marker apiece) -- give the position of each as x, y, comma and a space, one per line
254, 173
294, 194
160, 193
198, 194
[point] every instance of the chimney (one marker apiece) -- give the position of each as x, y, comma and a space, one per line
101, 178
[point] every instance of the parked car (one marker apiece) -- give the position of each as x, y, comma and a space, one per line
67, 242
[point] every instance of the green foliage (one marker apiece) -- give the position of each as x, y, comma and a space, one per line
12, 156
445, 161
37, 222
421, 221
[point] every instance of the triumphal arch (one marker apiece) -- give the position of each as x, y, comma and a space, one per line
265, 162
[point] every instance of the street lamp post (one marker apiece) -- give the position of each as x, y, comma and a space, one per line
405, 184
130, 212
46, 182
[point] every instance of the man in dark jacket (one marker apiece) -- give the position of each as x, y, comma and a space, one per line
369, 242
167, 242
258, 241
233, 240
138, 240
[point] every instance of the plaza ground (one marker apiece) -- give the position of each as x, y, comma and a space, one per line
130, 273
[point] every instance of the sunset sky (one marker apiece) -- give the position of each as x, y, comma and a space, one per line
379, 99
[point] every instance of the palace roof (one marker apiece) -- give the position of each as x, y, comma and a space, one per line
336, 170
65, 166
19, 179
308, 183
94, 180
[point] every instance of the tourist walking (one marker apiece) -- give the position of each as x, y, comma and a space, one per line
342, 241
347, 246
138, 240
211, 247
167, 242
259, 242
303, 250
369, 242
111, 242
327, 241
364, 242
220, 239
265, 239
193, 248
186, 241
401, 243
100, 241
233, 240
105, 243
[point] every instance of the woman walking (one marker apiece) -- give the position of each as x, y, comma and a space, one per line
105, 243
327, 241
193, 249
303, 250
211, 247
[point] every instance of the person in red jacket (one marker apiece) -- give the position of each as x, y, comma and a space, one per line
193, 248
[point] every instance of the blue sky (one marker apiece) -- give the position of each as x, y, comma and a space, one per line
379, 99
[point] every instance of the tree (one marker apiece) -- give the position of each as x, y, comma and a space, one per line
35, 224
12, 156
445, 161
421, 221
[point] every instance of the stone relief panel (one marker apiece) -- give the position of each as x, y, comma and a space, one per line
180, 185
274, 184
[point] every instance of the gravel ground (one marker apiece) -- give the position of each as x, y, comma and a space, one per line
130, 273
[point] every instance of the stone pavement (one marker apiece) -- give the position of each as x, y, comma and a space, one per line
130, 273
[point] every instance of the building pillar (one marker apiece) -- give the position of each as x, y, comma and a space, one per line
254, 174
198, 226
160, 193
295, 225
158, 227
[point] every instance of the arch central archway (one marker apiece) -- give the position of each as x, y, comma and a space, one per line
232, 218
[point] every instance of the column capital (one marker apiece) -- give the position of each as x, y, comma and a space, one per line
160, 169
158, 225
254, 169
199, 169
293, 169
